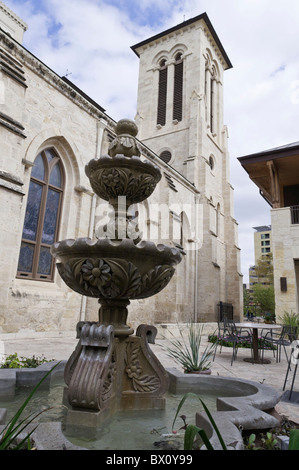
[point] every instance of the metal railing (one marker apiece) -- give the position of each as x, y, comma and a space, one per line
294, 214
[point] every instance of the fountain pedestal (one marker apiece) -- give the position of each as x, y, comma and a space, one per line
111, 368
107, 373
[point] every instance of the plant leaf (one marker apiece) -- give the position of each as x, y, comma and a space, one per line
181, 404
9, 432
214, 425
190, 434
209, 416
294, 440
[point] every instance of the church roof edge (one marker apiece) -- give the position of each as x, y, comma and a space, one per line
202, 16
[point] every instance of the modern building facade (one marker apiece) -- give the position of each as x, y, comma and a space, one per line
276, 174
262, 241
50, 129
262, 254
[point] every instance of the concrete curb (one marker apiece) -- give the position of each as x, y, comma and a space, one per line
29, 377
234, 413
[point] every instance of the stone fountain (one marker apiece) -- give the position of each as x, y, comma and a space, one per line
111, 368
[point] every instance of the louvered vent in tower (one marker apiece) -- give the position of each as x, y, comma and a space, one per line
170, 182
162, 94
178, 89
165, 156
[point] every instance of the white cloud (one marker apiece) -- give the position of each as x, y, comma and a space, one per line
92, 39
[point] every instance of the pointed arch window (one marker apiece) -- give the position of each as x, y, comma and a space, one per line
212, 103
211, 92
42, 217
162, 93
178, 88
218, 213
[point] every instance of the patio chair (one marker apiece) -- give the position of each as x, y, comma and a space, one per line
283, 338
237, 336
295, 349
231, 324
232, 335
220, 334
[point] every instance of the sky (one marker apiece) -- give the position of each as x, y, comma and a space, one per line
90, 42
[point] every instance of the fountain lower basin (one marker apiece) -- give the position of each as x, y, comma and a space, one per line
238, 403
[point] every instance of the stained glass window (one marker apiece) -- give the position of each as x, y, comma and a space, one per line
38, 170
50, 155
32, 211
50, 218
42, 216
26, 257
55, 177
45, 261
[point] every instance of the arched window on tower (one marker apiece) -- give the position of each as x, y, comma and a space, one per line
162, 93
213, 101
42, 217
178, 88
211, 93
218, 214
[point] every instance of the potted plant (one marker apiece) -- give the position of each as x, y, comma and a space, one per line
269, 317
185, 351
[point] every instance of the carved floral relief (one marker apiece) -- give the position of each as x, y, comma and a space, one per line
114, 278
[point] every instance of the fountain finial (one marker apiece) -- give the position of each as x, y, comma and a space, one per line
125, 142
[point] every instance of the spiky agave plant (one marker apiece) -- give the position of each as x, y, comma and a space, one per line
186, 351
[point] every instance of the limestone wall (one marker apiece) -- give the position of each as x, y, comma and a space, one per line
44, 117
285, 246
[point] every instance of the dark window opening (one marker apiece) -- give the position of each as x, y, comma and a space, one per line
162, 94
178, 89
291, 195
212, 97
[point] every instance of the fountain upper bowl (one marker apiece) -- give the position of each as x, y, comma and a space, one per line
107, 269
111, 177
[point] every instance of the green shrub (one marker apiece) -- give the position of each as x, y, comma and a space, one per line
244, 343
12, 361
290, 319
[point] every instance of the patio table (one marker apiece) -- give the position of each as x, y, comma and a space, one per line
255, 346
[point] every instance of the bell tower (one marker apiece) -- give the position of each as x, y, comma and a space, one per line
11, 23
180, 94
180, 117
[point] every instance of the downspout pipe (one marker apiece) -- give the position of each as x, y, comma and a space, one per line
196, 260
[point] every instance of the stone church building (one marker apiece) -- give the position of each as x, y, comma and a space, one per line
49, 131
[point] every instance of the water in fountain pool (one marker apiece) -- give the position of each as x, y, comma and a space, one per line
47, 400
127, 430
